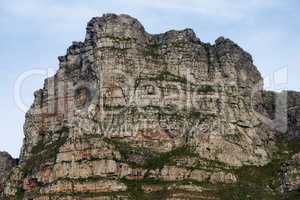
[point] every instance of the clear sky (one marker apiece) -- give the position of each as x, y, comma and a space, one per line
35, 32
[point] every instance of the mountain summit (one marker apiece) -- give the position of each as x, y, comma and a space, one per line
131, 115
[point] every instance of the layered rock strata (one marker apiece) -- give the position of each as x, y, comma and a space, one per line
131, 115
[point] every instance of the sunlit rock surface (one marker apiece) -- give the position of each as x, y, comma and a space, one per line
131, 115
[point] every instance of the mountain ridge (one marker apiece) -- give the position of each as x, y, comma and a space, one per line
131, 115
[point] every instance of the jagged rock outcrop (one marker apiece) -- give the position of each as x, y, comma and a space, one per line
6, 165
130, 115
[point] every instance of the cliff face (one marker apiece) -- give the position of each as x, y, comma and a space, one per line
6, 165
130, 115
284, 110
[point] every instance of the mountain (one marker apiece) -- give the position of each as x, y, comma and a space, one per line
132, 115
6, 164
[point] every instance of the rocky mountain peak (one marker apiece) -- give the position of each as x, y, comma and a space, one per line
112, 25
132, 115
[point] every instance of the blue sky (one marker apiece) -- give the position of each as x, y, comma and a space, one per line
35, 32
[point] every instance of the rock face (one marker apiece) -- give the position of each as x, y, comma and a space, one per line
284, 109
291, 174
6, 165
130, 115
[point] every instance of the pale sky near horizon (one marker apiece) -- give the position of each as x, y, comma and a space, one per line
35, 32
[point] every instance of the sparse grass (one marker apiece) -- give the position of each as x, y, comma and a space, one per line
151, 159
163, 159
136, 192
152, 50
263, 182
212, 165
42, 152
20, 194
205, 89
233, 137
163, 76
128, 152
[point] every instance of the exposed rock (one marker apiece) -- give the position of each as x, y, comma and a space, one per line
284, 111
6, 165
291, 174
130, 115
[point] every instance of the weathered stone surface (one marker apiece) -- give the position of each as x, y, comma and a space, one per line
284, 111
130, 115
6, 165
291, 174
140, 77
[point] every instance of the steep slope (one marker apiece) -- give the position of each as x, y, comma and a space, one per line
6, 165
284, 111
130, 115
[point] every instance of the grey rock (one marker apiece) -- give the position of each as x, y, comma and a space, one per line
126, 105
6, 165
